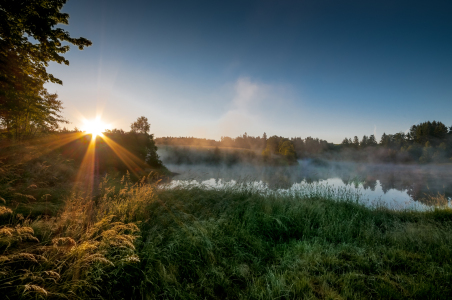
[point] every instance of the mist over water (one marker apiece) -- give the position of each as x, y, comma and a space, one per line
390, 185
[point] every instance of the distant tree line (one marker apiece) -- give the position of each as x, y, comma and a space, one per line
243, 142
184, 155
425, 142
272, 148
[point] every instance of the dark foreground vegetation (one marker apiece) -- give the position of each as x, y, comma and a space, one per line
144, 241
36, 175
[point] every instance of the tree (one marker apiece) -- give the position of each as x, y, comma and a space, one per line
433, 132
28, 42
37, 114
27, 28
273, 144
356, 142
281, 147
141, 125
372, 141
287, 149
140, 129
399, 139
115, 131
345, 142
384, 141
26, 108
364, 141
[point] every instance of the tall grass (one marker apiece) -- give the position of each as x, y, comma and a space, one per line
242, 244
143, 241
71, 255
33, 179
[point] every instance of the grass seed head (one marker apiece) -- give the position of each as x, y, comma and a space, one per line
64, 242
24, 257
5, 210
6, 231
35, 288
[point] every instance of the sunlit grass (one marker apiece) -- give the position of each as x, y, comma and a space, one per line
138, 241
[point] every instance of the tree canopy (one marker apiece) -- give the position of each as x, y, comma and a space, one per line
28, 29
432, 132
141, 125
29, 40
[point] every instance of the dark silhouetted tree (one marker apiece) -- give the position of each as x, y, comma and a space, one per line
141, 125
356, 142
28, 30
29, 40
364, 142
385, 140
345, 142
372, 141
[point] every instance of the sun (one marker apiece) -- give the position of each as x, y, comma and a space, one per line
94, 127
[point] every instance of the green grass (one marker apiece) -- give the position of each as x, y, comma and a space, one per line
238, 244
144, 241
196, 243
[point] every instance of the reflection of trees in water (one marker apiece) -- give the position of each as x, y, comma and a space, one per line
416, 181
387, 182
281, 177
370, 183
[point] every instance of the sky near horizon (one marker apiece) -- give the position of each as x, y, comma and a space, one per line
326, 69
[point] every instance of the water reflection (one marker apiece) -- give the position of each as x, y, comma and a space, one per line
400, 184
333, 188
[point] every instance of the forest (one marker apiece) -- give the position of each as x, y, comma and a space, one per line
427, 142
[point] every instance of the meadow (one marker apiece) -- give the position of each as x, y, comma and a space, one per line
142, 239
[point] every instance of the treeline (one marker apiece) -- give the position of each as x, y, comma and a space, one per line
302, 147
424, 143
242, 142
184, 155
274, 149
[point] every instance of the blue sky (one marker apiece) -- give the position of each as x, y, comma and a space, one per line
326, 69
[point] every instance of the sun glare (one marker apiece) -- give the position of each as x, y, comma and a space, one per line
94, 127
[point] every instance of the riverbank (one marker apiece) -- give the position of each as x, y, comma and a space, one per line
193, 243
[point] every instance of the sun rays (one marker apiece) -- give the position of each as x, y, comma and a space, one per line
88, 174
84, 147
94, 127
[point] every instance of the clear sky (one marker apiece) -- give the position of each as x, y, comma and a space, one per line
327, 69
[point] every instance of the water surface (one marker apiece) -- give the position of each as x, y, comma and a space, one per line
394, 186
